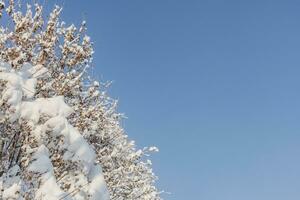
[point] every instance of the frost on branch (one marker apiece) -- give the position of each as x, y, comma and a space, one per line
60, 134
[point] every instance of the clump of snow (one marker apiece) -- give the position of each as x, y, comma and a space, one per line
19, 96
97, 181
20, 84
51, 107
78, 148
12, 192
41, 164
153, 149
10, 184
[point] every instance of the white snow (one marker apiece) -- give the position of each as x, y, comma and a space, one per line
78, 148
19, 95
12, 192
42, 164
12, 184
97, 181
51, 107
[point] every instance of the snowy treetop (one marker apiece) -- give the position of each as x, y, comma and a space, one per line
60, 133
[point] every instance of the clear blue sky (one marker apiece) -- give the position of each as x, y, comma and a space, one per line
214, 84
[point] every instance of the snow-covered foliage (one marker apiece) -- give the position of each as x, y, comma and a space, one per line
60, 134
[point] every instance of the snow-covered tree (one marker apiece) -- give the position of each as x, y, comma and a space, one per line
60, 133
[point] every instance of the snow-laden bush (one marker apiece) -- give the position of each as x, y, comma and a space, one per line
60, 134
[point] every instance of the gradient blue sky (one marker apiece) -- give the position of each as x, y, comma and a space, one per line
214, 84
